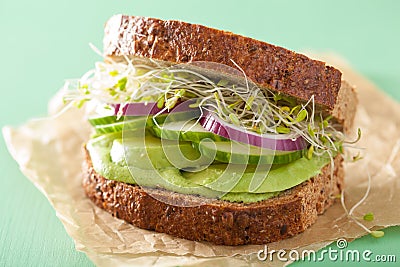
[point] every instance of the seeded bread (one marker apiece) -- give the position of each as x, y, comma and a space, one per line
216, 221
269, 66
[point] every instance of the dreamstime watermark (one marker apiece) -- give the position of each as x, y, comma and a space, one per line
336, 255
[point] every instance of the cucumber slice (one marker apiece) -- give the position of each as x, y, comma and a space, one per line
238, 153
97, 121
184, 131
94, 121
132, 124
109, 124
172, 117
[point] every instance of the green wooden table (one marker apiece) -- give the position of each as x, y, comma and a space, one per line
44, 42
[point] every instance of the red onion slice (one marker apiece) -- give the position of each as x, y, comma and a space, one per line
284, 142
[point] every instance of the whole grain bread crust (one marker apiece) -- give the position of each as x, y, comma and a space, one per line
267, 65
216, 221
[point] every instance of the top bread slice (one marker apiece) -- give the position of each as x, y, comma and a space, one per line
269, 66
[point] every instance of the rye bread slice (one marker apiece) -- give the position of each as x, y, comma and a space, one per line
269, 66
272, 67
216, 221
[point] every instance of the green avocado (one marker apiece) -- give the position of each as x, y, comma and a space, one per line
99, 151
166, 176
138, 160
236, 178
149, 152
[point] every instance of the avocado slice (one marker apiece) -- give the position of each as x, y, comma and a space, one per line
211, 182
167, 176
237, 178
148, 152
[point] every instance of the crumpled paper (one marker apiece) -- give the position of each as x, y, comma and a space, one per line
48, 152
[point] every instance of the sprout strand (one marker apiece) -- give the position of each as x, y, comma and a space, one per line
258, 110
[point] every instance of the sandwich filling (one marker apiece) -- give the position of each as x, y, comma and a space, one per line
202, 128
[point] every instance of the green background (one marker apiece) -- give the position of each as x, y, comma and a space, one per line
43, 42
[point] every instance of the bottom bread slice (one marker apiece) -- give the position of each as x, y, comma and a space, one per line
216, 221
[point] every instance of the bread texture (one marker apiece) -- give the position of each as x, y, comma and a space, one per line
179, 42
216, 221
267, 65
345, 109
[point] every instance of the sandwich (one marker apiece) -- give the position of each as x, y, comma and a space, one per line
211, 136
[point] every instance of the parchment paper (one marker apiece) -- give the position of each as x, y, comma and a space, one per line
48, 152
